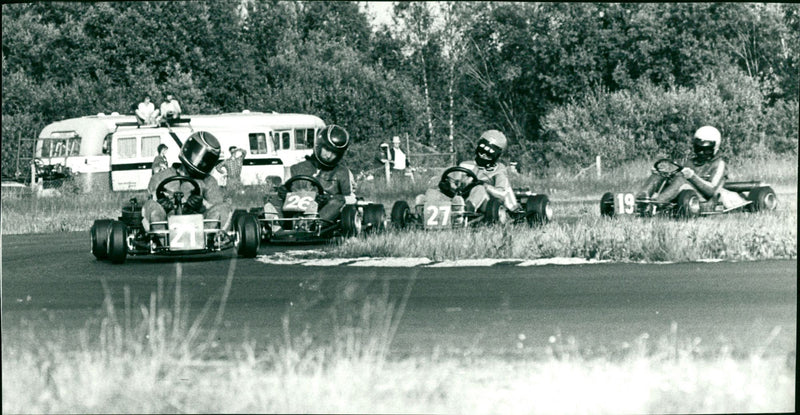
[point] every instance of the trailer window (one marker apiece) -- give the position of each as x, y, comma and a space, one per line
305, 138
126, 147
285, 139
258, 143
150, 146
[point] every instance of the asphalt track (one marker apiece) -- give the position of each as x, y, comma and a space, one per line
52, 282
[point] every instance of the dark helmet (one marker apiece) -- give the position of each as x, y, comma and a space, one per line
200, 153
705, 144
330, 144
490, 147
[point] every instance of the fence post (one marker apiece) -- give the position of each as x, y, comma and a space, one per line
599, 168
388, 168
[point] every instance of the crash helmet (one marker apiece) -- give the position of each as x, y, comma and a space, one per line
200, 153
705, 143
330, 144
490, 147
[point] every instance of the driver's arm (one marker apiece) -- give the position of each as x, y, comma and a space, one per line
212, 194
709, 188
501, 185
346, 183
155, 180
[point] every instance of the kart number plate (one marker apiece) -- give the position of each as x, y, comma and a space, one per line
624, 203
186, 232
299, 201
437, 215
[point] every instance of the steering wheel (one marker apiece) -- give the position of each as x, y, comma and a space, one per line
304, 178
667, 168
461, 189
161, 190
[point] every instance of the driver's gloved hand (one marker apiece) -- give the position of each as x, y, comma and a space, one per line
282, 191
322, 199
166, 203
444, 187
194, 203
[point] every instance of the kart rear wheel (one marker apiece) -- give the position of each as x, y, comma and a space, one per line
373, 218
496, 212
763, 198
688, 204
538, 210
351, 221
236, 216
607, 205
400, 214
117, 242
100, 229
249, 238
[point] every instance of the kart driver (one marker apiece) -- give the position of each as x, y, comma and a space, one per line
324, 164
199, 154
706, 175
491, 173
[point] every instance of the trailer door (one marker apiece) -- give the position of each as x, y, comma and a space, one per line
132, 154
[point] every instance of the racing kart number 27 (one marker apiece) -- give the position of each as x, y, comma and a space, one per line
437, 216
624, 203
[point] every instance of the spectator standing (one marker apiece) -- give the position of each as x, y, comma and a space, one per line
232, 168
160, 162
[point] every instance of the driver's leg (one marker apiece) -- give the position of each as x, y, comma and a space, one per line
477, 198
670, 192
331, 210
152, 211
650, 186
271, 212
221, 212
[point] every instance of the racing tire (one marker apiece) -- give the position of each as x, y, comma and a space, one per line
496, 212
373, 218
400, 214
688, 204
538, 210
249, 238
607, 205
236, 216
117, 242
763, 198
99, 232
351, 221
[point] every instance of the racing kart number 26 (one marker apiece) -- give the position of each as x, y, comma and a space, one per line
624, 203
298, 201
186, 232
437, 216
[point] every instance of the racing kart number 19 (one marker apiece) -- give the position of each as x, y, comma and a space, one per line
624, 203
437, 216
186, 232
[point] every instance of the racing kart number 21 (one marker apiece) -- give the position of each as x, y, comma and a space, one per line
624, 203
186, 232
437, 216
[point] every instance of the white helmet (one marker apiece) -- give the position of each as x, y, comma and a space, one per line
706, 143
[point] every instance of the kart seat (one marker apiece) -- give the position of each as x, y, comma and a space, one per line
741, 186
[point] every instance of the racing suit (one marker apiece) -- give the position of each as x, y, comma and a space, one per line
495, 184
213, 207
338, 182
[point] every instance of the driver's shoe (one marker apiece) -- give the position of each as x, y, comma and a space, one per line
468, 207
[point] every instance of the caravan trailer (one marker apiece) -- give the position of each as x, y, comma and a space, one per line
115, 152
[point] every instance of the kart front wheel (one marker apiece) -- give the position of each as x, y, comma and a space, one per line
373, 218
400, 214
538, 210
117, 242
249, 238
607, 205
99, 231
763, 198
351, 221
496, 212
688, 205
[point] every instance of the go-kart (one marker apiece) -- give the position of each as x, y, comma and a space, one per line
301, 224
181, 233
688, 203
441, 214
